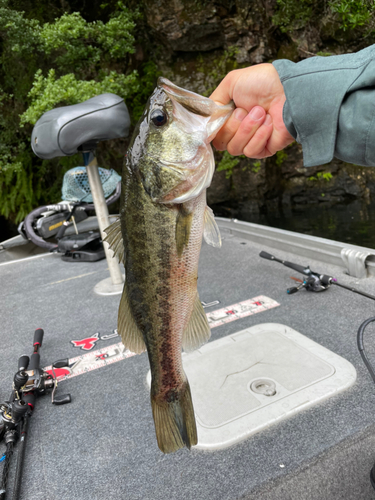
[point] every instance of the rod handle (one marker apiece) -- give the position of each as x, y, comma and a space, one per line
266, 255
23, 363
34, 361
299, 269
38, 337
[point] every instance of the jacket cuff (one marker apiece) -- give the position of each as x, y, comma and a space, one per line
315, 89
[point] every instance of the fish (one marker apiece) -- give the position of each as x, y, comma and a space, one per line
163, 216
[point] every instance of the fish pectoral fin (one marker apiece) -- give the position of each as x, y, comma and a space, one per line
127, 328
183, 228
115, 241
211, 233
198, 330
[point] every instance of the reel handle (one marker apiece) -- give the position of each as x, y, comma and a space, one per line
61, 363
62, 400
29, 399
20, 379
19, 409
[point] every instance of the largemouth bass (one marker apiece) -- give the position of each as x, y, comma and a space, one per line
163, 216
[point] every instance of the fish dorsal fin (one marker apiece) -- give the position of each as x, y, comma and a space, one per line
198, 330
127, 328
183, 227
115, 241
211, 232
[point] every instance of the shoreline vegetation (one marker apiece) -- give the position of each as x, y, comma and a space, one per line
60, 52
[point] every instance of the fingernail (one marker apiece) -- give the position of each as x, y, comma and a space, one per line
256, 113
268, 120
239, 114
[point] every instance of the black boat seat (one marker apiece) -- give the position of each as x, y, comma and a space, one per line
63, 131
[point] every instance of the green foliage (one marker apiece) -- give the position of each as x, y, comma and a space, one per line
18, 191
76, 43
227, 164
326, 176
257, 165
218, 68
324, 54
281, 156
295, 14
149, 74
353, 13
57, 63
49, 92
292, 14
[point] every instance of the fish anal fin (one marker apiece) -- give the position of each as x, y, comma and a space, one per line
211, 233
115, 241
128, 330
183, 228
198, 330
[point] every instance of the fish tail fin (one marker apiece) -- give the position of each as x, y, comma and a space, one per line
175, 421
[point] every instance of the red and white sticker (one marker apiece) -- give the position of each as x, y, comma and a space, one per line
117, 352
240, 310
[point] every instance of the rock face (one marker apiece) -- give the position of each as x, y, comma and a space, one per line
202, 40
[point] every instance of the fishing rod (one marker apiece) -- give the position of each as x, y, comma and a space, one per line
29, 382
314, 282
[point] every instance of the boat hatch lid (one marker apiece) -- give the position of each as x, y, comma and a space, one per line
248, 381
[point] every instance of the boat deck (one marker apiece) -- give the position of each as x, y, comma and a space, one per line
102, 444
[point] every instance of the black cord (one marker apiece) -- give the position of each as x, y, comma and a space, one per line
361, 346
361, 349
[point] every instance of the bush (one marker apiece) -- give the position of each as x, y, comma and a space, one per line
58, 63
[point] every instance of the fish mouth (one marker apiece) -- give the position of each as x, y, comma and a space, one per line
195, 103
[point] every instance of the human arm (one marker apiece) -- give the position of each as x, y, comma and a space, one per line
329, 107
256, 127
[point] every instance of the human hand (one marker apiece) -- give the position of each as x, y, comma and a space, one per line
256, 128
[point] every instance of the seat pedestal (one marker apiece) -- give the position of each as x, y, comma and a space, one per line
116, 277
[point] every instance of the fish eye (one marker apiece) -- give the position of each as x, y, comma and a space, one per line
158, 117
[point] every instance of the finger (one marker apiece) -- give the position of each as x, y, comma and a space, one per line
257, 146
226, 133
223, 94
279, 140
246, 131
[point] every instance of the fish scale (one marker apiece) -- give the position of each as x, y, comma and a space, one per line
163, 217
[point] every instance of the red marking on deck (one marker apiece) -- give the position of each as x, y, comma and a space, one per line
117, 352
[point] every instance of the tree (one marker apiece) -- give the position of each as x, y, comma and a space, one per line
44, 65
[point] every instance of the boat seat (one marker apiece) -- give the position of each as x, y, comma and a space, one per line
64, 131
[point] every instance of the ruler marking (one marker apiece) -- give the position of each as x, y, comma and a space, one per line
117, 352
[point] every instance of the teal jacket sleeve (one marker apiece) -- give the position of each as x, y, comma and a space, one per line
330, 106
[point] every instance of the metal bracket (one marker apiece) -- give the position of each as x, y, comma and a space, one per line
355, 262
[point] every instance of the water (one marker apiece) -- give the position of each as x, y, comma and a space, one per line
352, 223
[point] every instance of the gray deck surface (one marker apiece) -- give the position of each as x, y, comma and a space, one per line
103, 444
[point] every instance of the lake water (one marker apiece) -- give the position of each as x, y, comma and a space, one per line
352, 223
